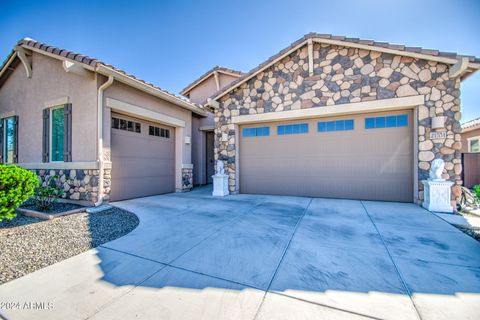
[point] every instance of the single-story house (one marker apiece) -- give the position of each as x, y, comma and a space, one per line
471, 136
331, 116
105, 134
327, 116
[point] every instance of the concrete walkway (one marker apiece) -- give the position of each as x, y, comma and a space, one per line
262, 257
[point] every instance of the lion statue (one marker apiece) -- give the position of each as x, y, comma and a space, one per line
436, 169
220, 167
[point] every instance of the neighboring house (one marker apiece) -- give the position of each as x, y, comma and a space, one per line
105, 133
471, 153
341, 117
202, 128
471, 136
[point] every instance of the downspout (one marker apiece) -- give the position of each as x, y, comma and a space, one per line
100, 124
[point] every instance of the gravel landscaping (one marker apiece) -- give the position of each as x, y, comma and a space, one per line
475, 234
28, 244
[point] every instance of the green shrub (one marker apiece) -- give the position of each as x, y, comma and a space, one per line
476, 190
48, 193
16, 186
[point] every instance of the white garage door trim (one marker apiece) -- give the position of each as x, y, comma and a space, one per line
335, 110
142, 113
404, 103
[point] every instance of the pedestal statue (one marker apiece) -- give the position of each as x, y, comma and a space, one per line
437, 191
220, 181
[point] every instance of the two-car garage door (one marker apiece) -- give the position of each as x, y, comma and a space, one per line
143, 158
367, 156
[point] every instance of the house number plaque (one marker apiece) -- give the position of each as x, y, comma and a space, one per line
438, 135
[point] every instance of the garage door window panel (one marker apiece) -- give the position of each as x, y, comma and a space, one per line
338, 125
158, 132
126, 125
386, 122
297, 128
256, 132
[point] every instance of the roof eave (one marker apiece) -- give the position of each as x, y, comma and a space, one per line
197, 82
472, 66
135, 83
58, 57
471, 128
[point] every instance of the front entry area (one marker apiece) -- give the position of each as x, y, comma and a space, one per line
366, 156
210, 156
143, 158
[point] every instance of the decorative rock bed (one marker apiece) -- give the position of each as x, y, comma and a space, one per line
28, 244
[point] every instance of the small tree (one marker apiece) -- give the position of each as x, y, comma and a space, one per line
47, 193
16, 186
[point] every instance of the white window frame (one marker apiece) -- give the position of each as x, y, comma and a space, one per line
469, 140
50, 133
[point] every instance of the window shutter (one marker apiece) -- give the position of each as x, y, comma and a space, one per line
1, 140
46, 135
15, 139
67, 142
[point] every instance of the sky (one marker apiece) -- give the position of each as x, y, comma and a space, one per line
171, 43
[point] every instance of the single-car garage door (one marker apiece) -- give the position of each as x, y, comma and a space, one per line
367, 156
143, 158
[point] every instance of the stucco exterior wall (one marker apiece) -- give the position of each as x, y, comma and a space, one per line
466, 136
49, 81
201, 92
347, 75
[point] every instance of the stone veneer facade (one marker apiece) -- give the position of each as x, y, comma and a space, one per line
187, 179
347, 75
78, 184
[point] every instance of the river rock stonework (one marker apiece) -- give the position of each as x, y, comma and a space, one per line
187, 179
347, 75
78, 184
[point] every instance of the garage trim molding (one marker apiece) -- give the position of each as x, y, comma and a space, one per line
139, 112
334, 110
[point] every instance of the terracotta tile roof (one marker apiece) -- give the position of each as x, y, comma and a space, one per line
472, 124
399, 47
89, 61
200, 79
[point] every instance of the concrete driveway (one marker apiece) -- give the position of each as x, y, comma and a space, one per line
263, 257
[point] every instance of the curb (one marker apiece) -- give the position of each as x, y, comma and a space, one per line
47, 216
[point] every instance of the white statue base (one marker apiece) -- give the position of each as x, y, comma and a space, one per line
437, 195
220, 185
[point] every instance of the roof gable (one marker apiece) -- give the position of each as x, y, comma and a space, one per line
207, 75
94, 65
371, 45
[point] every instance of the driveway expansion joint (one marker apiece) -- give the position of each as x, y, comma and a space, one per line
393, 262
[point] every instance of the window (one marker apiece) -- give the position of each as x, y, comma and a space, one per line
474, 144
256, 132
292, 129
158, 132
338, 125
126, 125
7, 126
57, 133
57, 136
386, 122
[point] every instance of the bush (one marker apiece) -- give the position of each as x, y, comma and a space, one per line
47, 193
16, 186
476, 190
